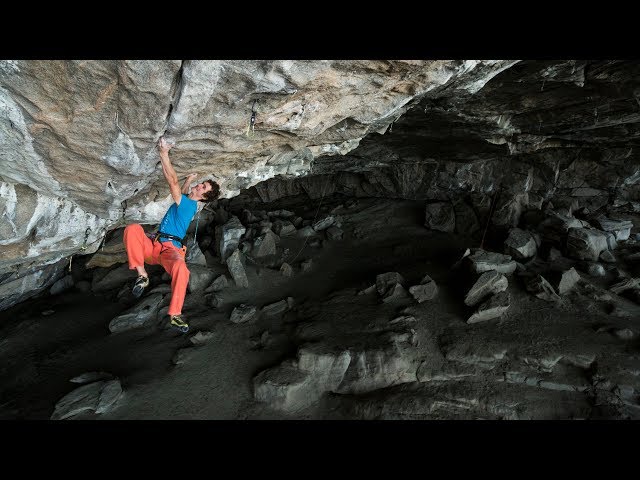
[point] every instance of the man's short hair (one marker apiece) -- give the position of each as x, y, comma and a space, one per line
212, 194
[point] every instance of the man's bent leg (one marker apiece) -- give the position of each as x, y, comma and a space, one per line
173, 262
138, 246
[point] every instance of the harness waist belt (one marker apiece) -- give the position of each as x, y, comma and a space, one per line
171, 237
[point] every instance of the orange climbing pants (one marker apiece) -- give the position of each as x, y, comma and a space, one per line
141, 250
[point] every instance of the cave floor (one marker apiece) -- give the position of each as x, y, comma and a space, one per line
540, 360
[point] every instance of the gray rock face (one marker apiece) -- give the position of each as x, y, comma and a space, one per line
218, 284
285, 387
228, 237
541, 288
90, 377
112, 279
109, 395
199, 278
307, 231
567, 281
625, 284
96, 397
292, 386
385, 281
390, 287
281, 213
625, 334
111, 252
488, 283
286, 270
427, 290
586, 244
265, 245
194, 255
201, 338
283, 228
61, 285
334, 233
492, 308
482, 261
520, 244
243, 313
395, 293
607, 256
275, 308
440, 216
139, 315
556, 226
620, 228
25, 284
594, 269
323, 223
108, 115
237, 271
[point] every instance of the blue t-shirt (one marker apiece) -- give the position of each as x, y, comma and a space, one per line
177, 219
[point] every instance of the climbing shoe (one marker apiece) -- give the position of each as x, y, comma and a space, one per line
179, 323
142, 282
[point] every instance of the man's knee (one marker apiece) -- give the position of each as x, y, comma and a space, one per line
180, 268
133, 227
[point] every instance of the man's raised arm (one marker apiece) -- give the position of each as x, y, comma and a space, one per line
187, 182
168, 170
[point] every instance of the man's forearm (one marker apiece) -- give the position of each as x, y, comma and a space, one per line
185, 185
167, 168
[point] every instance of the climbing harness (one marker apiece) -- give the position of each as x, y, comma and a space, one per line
252, 121
156, 237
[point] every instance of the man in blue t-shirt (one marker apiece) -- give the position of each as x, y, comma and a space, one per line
166, 248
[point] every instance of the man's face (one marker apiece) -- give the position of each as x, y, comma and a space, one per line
202, 188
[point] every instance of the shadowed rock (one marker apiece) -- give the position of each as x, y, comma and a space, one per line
96, 397
620, 228
243, 313
265, 245
427, 290
492, 308
541, 288
228, 236
520, 244
440, 216
61, 285
586, 244
488, 283
236, 269
218, 284
199, 278
283, 228
138, 316
482, 261
334, 233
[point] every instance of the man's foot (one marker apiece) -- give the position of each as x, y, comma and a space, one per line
142, 282
179, 323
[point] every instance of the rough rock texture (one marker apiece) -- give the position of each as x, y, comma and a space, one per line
494, 139
77, 138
